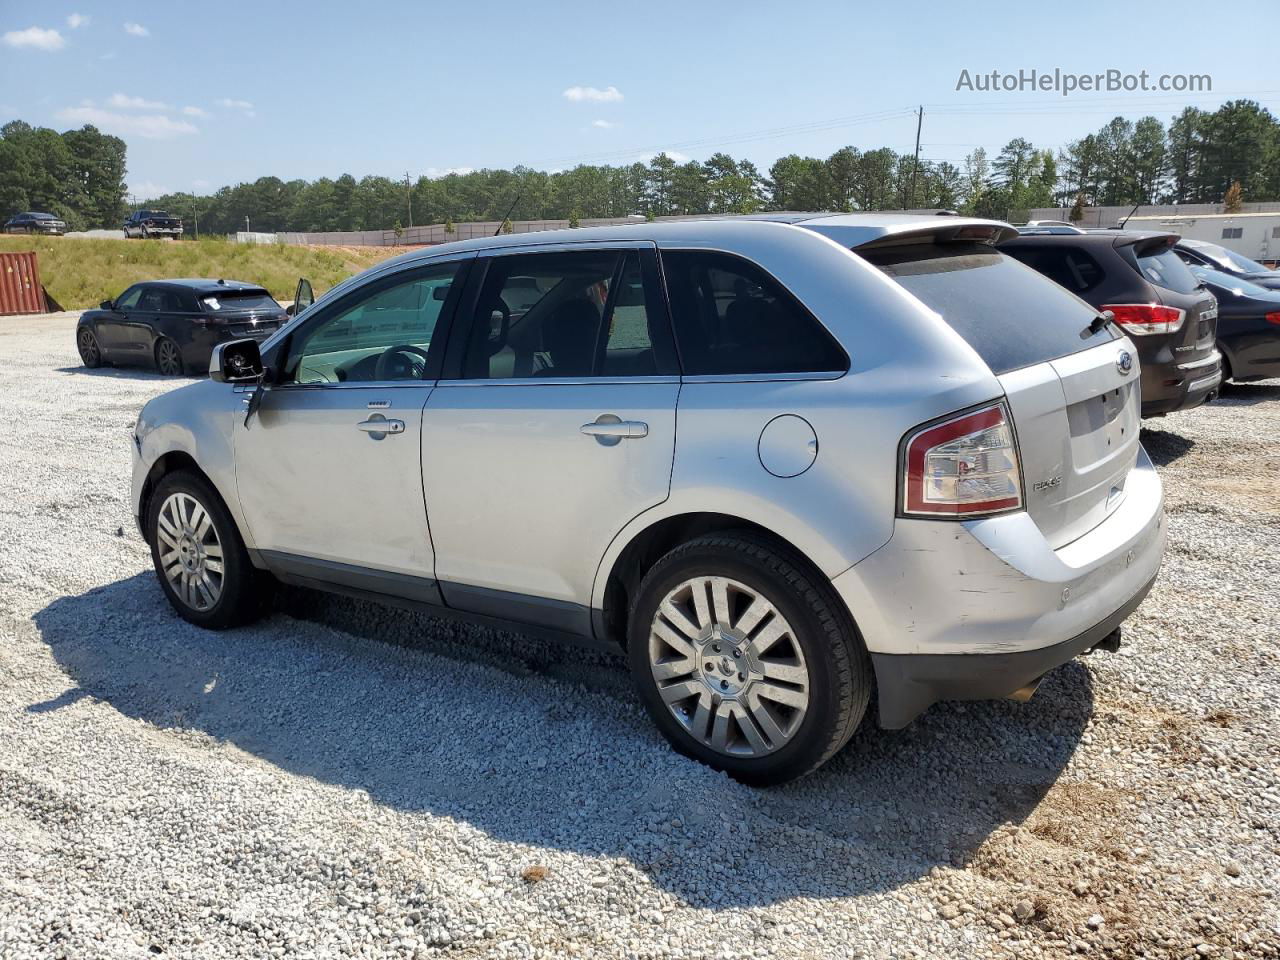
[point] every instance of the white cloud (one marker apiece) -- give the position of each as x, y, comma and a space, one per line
593, 94
436, 172
36, 37
604, 124
77, 20
199, 184
122, 102
146, 190
234, 104
193, 112
108, 56
136, 30
675, 155
151, 126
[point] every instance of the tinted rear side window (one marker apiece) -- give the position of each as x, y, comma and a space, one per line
1165, 269
733, 318
1010, 314
1064, 265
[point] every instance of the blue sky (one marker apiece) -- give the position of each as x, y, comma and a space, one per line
213, 93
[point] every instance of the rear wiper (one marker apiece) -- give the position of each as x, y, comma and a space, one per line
1101, 320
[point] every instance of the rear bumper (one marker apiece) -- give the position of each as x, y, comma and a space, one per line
1170, 387
992, 596
910, 684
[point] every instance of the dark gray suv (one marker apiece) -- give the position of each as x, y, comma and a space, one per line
1154, 297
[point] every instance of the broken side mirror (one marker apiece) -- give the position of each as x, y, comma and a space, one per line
239, 361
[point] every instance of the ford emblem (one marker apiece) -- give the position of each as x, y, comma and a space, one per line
1125, 361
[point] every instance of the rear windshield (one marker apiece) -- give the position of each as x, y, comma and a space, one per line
1165, 269
1011, 315
238, 300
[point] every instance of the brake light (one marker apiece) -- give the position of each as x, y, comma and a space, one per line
964, 467
1273, 318
1146, 318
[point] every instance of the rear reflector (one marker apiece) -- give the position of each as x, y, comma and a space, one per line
1146, 318
964, 467
1273, 318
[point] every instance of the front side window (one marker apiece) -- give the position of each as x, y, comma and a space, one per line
376, 335
129, 299
733, 318
579, 314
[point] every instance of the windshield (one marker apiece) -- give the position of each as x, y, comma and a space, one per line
1237, 285
1010, 314
239, 300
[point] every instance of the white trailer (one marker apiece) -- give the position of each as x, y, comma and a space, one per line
1254, 235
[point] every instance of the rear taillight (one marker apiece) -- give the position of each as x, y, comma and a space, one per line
1146, 318
964, 467
1273, 318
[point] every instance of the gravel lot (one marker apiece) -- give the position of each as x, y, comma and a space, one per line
345, 780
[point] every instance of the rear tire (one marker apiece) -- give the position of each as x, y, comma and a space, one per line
764, 676
199, 556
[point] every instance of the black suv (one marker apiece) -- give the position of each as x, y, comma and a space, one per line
175, 324
1167, 312
152, 223
43, 223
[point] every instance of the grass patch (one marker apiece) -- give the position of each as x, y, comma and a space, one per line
82, 272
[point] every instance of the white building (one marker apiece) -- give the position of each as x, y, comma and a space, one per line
1255, 235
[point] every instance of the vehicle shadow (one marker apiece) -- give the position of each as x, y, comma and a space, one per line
1247, 394
508, 735
1164, 447
122, 373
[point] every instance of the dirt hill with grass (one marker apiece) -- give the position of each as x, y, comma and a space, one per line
82, 272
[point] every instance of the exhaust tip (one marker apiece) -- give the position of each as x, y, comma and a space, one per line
1024, 693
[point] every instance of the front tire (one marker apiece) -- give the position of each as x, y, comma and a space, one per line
169, 358
746, 659
199, 556
89, 348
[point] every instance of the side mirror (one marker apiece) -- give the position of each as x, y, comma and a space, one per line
239, 361
106, 305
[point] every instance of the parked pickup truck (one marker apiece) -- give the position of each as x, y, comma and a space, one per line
152, 223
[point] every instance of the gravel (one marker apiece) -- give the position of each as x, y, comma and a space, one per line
348, 780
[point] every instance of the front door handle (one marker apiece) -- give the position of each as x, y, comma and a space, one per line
379, 426
609, 429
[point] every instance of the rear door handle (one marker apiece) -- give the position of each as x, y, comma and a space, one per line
609, 429
378, 424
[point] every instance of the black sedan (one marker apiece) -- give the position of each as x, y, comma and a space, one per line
45, 224
1248, 325
1201, 253
174, 324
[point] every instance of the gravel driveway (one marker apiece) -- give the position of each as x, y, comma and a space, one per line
348, 780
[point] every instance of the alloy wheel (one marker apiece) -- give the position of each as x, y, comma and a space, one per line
168, 359
190, 551
728, 666
88, 345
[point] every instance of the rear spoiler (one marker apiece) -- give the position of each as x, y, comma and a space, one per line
1147, 243
990, 232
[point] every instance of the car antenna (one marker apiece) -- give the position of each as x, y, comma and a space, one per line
1131, 213
510, 210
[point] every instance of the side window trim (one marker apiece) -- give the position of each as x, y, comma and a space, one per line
383, 281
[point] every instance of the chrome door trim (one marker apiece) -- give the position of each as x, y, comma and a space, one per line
762, 377
554, 381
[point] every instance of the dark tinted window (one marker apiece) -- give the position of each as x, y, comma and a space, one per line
1063, 264
1010, 314
584, 314
1232, 233
1165, 269
237, 300
160, 300
733, 318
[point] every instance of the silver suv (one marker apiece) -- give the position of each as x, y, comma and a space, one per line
778, 460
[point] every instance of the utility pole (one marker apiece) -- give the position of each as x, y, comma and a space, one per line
246, 223
916, 168
408, 192
195, 216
